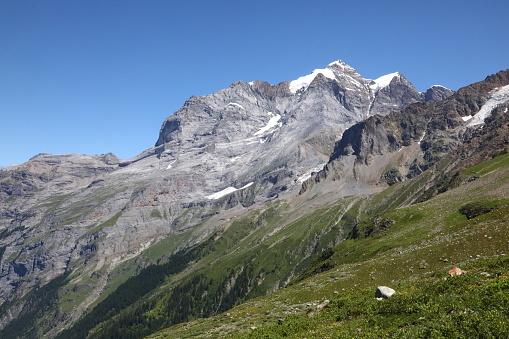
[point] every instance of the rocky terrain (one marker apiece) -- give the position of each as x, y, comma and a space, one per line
96, 221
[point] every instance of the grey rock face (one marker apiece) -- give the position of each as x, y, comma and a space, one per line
275, 135
399, 93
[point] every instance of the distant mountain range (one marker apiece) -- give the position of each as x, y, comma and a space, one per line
78, 232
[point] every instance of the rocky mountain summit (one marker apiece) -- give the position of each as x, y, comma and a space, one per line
91, 217
399, 146
275, 136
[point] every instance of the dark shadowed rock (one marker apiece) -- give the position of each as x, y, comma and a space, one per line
437, 93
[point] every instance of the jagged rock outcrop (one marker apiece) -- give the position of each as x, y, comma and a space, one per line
437, 93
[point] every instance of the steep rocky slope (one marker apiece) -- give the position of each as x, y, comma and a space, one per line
412, 252
275, 135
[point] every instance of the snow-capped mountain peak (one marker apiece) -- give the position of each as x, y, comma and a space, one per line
383, 81
336, 70
303, 82
340, 64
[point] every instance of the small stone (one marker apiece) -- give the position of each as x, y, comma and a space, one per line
456, 271
384, 292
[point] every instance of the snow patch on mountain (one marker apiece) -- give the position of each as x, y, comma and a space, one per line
234, 104
383, 81
422, 138
303, 82
227, 191
306, 175
273, 122
496, 97
170, 165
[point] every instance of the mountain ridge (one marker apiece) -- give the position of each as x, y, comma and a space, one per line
124, 215
417, 135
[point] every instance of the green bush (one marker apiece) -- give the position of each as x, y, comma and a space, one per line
475, 209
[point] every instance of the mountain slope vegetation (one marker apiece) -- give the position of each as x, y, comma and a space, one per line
412, 251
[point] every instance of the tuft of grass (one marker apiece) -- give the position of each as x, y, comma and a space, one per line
155, 213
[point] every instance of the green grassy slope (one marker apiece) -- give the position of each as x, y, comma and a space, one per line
254, 255
409, 249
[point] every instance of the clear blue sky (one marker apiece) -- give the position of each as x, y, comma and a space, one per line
99, 76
